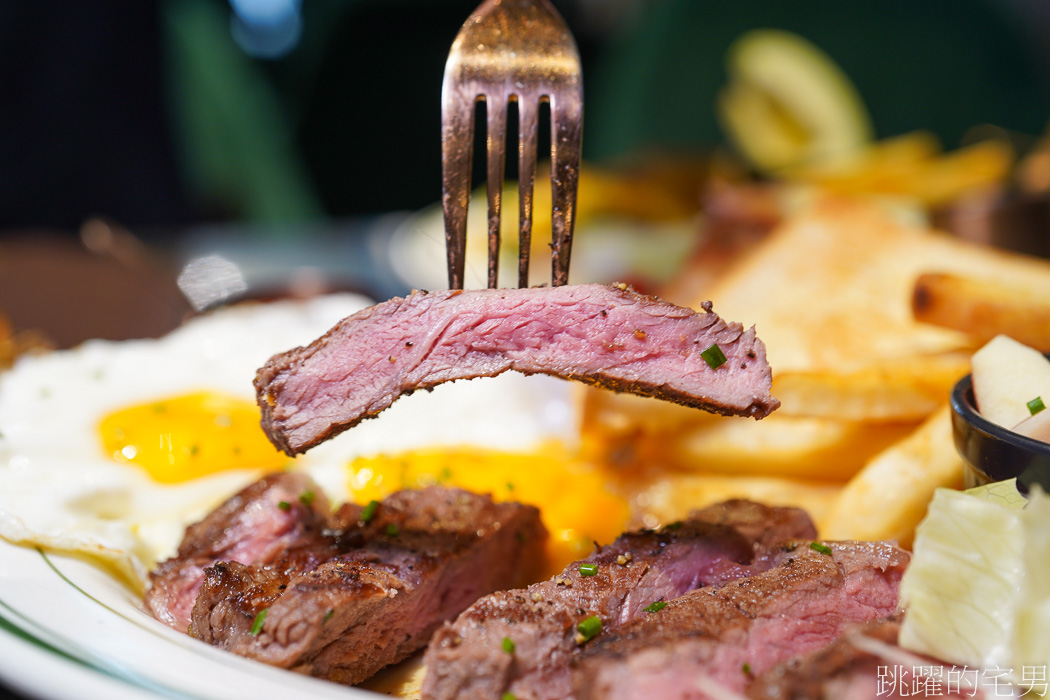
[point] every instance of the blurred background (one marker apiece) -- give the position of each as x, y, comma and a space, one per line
288, 133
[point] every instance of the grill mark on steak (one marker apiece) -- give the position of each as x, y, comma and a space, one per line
724, 635
249, 527
370, 594
609, 336
466, 659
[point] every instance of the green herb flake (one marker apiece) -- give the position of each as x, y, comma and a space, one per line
258, 623
327, 616
508, 696
746, 669
822, 548
284, 505
588, 569
392, 530
714, 357
671, 527
369, 511
1036, 405
589, 628
655, 606
307, 497
508, 645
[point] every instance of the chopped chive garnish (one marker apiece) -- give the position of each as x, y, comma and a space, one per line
508, 696
393, 530
655, 606
508, 645
328, 616
589, 628
1036, 405
284, 505
588, 569
714, 357
307, 497
746, 668
258, 623
818, 547
369, 511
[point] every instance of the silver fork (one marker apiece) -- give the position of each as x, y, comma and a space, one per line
511, 51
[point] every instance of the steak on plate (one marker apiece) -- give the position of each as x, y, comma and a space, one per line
471, 659
713, 641
369, 587
603, 335
250, 527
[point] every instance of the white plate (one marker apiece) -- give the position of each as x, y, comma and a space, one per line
70, 630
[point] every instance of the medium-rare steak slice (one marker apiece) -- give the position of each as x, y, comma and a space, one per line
378, 586
250, 527
715, 640
522, 641
609, 336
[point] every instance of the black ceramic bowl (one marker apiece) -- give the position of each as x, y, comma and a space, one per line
990, 452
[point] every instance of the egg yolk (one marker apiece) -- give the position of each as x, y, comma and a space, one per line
184, 437
575, 503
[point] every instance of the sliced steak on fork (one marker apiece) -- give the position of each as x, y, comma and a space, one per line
604, 335
522, 641
713, 641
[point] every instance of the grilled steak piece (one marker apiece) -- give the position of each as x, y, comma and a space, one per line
469, 658
371, 593
250, 527
609, 336
713, 640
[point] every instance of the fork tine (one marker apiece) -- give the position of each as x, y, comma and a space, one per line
528, 127
496, 140
457, 151
566, 112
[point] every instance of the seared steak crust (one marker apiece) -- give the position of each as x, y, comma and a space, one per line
364, 590
468, 659
716, 639
235, 532
608, 336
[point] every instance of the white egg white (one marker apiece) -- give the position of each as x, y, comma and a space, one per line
60, 490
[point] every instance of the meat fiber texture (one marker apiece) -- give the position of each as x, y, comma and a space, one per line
604, 335
251, 527
711, 642
469, 659
353, 592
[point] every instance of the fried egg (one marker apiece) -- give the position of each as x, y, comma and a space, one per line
111, 449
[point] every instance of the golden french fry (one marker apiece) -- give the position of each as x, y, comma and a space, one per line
640, 435
984, 307
975, 167
888, 497
907, 389
782, 446
671, 497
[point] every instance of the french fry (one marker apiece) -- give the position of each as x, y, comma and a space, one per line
783, 446
673, 496
888, 497
640, 435
984, 307
890, 391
